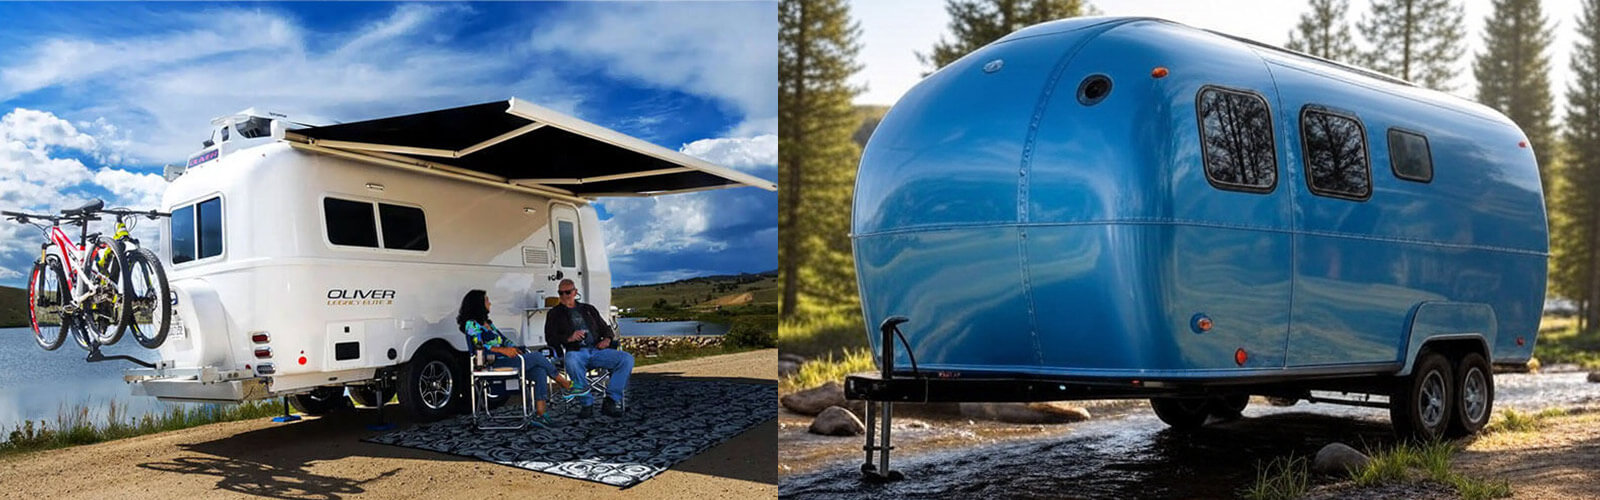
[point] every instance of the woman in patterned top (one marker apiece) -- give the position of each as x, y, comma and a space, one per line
473, 319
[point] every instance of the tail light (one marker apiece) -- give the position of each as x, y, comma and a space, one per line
263, 352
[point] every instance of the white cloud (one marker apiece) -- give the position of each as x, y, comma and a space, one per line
668, 224
685, 46
139, 191
41, 130
741, 153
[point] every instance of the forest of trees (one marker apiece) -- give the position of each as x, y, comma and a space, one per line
1420, 41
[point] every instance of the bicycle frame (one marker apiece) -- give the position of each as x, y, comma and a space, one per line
78, 278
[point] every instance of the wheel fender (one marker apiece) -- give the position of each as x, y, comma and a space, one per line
1434, 321
411, 345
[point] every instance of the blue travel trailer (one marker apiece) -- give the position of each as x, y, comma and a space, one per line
1134, 208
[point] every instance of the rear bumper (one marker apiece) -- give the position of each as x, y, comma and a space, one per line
233, 391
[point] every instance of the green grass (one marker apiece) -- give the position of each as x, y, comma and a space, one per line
77, 425
1560, 342
1514, 421
820, 371
1430, 461
822, 335
1283, 478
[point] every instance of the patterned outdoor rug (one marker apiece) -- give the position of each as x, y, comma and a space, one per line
668, 421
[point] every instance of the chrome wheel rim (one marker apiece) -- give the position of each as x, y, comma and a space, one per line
1475, 394
435, 384
1432, 402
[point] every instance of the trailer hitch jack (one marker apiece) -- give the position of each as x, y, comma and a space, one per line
880, 472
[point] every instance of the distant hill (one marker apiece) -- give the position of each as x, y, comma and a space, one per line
13, 307
703, 293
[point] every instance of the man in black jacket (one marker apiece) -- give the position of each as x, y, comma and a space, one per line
586, 337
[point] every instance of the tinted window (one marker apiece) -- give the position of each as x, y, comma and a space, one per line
569, 244
350, 223
404, 228
1335, 154
1409, 156
182, 234
1236, 140
209, 222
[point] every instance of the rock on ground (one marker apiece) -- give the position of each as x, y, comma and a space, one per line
814, 400
1025, 413
1338, 459
836, 421
1594, 377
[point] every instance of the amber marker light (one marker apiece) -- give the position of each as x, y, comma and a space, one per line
1159, 72
1239, 356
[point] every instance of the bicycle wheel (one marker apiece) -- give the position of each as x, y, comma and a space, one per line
106, 312
149, 312
48, 296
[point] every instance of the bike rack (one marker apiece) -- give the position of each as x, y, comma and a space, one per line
95, 356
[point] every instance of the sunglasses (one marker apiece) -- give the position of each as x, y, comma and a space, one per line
566, 292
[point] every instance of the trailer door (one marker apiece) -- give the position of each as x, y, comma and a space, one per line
565, 233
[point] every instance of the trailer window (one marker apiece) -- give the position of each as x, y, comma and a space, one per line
1335, 154
1236, 140
404, 228
196, 231
569, 244
182, 234
350, 223
1409, 156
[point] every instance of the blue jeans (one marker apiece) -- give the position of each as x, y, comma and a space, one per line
619, 363
539, 371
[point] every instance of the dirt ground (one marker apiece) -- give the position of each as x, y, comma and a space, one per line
1561, 460
323, 458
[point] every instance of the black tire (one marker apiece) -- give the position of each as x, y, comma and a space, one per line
1474, 395
1230, 407
432, 384
320, 401
1420, 407
106, 320
1182, 413
47, 297
366, 396
149, 311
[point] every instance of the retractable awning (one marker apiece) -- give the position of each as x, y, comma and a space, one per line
520, 144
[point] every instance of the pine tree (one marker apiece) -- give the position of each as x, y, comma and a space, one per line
1415, 40
1578, 236
818, 43
1324, 33
1513, 73
975, 23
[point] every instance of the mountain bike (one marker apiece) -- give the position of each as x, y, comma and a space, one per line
91, 289
149, 311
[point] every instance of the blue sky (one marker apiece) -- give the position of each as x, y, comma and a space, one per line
95, 98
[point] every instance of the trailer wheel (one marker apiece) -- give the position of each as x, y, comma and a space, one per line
431, 384
1182, 413
1420, 406
1230, 407
320, 401
1474, 395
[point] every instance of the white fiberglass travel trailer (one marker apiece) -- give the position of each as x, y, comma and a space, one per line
305, 260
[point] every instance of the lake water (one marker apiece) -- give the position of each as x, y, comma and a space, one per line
36, 384
631, 327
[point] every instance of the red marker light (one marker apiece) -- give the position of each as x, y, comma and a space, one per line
1159, 72
1239, 356
1204, 324
302, 360
1522, 144
1521, 341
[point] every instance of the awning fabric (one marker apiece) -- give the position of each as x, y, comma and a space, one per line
522, 144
